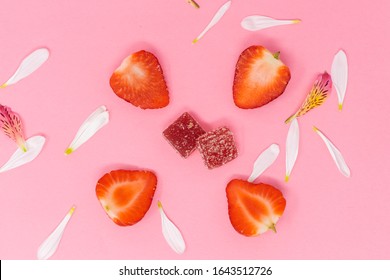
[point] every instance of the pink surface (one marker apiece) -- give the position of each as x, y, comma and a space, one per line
327, 216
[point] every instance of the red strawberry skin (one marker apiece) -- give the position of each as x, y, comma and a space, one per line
139, 80
126, 195
253, 208
260, 77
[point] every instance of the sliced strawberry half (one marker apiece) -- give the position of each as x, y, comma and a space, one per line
260, 77
126, 195
140, 81
254, 208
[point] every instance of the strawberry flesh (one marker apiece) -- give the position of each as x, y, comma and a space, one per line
260, 77
254, 208
140, 80
126, 195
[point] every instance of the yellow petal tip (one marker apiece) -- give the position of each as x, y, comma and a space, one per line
315, 128
72, 210
3, 86
296, 21
195, 40
340, 107
159, 204
286, 178
68, 151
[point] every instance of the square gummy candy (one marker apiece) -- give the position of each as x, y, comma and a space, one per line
183, 133
217, 147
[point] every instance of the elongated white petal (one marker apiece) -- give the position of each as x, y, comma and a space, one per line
292, 147
34, 147
50, 245
89, 127
254, 23
217, 17
171, 233
31, 63
265, 160
339, 74
335, 153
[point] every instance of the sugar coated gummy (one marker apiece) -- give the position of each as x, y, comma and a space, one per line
183, 133
217, 147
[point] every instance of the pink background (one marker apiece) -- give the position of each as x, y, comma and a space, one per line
327, 216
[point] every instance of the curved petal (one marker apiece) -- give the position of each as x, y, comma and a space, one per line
34, 147
29, 65
217, 17
171, 233
97, 120
265, 160
339, 74
335, 153
50, 245
254, 23
292, 147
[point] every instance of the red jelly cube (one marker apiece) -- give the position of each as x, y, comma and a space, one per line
217, 147
183, 133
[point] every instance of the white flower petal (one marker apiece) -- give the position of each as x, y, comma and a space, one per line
31, 63
339, 74
335, 153
50, 245
98, 119
292, 147
254, 23
265, 160
34, 147
217, 17
171, 233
